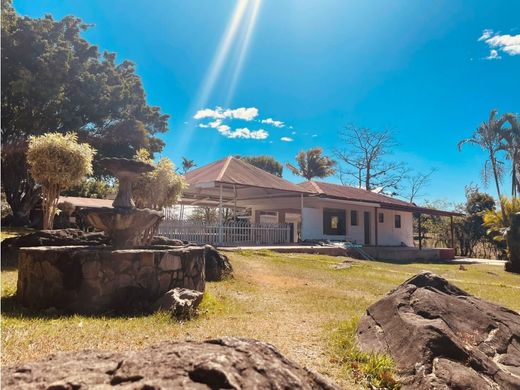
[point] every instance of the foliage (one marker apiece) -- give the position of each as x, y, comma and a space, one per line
495, 222
204, 214
487, 136
92, 188
160, 188
510, 143
57, 162
470, 236
267, 163
53, 80
375, 370
312, 163
187, 164
365, 155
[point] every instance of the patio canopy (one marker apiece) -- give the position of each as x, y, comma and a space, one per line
234, 181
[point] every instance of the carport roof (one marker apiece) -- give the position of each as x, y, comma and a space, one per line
235, 171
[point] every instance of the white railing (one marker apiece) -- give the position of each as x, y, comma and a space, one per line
230, 233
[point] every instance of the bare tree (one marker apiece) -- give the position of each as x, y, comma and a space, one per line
416, 184
365, 157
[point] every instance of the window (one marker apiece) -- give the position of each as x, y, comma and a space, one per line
397, 221
334, 222
353, 217
381, 218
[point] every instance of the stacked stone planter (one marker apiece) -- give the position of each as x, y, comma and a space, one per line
83, 279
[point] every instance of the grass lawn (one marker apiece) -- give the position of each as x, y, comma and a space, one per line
295, 301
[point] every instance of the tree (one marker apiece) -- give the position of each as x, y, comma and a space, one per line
510, 143
53, 80
160, 188
187, 165
266, 163
416, 184
312, 163
92, 188
365, 157
57, 162
506, 229
488, 137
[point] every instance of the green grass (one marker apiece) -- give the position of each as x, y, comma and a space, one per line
297, 302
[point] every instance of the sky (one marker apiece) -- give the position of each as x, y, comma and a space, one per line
274, 77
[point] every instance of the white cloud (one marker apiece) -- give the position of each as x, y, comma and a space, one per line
271, 121
293, 132
243, 132
314, 135
244, 113
286, 139
493, 55
506, 43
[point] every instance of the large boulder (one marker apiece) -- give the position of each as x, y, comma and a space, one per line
441, 337
227, 363
182, 303
217, 264
57, 237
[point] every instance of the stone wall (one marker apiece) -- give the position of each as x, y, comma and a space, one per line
85, 279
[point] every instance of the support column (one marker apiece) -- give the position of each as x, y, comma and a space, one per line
281, 216
451, 232
376, 223
420, 232
235, 202
301, 216
220, 218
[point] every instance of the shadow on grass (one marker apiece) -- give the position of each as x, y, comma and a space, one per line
11, 308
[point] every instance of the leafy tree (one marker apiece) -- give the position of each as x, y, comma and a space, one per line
92, 188
504, 226
204, 214
53, 80
266, 163
365, 156
160, 188
57, 162
312, 163
187, 164
488, 137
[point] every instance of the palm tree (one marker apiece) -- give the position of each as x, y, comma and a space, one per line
312, 163
510, 143
187, 165
488, 136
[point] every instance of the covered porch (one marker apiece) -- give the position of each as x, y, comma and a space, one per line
253, 207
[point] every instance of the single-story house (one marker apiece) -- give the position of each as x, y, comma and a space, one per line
311, 210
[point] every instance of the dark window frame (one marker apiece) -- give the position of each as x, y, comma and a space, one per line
381, 218
354, 220
397, 221
328, 216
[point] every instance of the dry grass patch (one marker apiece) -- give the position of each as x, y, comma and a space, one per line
297, 302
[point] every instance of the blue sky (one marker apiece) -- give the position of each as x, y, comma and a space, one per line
417, 67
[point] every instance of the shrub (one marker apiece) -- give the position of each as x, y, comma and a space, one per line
57, 162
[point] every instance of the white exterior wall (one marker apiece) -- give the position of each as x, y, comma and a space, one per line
388, 234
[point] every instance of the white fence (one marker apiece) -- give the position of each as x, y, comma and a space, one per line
230, 233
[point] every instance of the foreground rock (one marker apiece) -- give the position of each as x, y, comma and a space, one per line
182, 303
228, 363
217, 264
443, 338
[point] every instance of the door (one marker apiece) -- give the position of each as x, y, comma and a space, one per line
366, 224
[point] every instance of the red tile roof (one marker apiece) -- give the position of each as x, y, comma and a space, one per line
338, 191
85, 202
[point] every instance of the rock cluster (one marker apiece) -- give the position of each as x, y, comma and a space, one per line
182, 303
58, 237
217, 264
227, 363
441, 337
